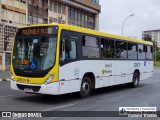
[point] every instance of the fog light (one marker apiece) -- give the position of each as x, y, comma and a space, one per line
49, 79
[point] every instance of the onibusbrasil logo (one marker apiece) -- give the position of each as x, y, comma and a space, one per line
122, 111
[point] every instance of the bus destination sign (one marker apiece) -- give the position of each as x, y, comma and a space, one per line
38, 30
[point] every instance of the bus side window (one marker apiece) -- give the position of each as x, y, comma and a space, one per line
90, 47
141, 52
132, 51
121, 50
108, 50
149, 52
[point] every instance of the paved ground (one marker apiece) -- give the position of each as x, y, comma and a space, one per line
4, 75
107, 99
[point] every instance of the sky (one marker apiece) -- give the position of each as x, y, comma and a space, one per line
114, 12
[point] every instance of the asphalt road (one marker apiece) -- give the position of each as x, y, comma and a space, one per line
106, 99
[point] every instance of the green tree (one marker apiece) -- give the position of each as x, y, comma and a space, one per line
155, 46
147, 37
158, 55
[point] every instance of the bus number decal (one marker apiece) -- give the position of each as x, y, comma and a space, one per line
136, 64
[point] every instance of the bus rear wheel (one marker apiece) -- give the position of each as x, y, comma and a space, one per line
85, 87
135, 80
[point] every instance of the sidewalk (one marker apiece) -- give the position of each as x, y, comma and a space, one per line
4, 75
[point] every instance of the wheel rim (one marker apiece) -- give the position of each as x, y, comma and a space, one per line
85, 87
136, 80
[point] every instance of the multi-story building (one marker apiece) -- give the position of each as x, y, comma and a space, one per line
12, 16
17, 13
155, 34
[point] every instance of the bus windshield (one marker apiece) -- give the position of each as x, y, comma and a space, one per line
35, 49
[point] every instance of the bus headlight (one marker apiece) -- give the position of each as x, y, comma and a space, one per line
49, 79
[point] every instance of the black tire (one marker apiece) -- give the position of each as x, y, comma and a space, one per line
85, 87
135, 81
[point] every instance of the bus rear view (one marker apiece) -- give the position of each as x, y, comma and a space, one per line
33, 60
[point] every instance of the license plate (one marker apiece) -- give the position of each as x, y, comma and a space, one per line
28, 90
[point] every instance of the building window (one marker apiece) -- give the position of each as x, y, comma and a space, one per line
59, 21
30, 2
50, 20
40, 3
59, 8
63, 9
55, 20
7, 58
54, 7
37, 14
0, 60
91, 22
90, 48
50, 6
63, 22
35, 18
30, 18
81, 18
45, 21
86, 21
95, 1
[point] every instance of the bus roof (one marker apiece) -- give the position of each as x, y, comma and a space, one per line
93, 32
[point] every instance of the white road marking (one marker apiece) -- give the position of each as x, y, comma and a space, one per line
6, 96
59, 107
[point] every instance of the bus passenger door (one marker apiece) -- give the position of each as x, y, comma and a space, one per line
68, 70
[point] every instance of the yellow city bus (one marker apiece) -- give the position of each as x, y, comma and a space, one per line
57, 59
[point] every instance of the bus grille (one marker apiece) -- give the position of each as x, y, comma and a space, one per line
34, 88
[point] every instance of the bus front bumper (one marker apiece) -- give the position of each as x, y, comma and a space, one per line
50, 89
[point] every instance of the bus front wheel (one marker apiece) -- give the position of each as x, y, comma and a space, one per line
85, 87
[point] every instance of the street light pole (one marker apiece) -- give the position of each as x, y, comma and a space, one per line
125, 21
